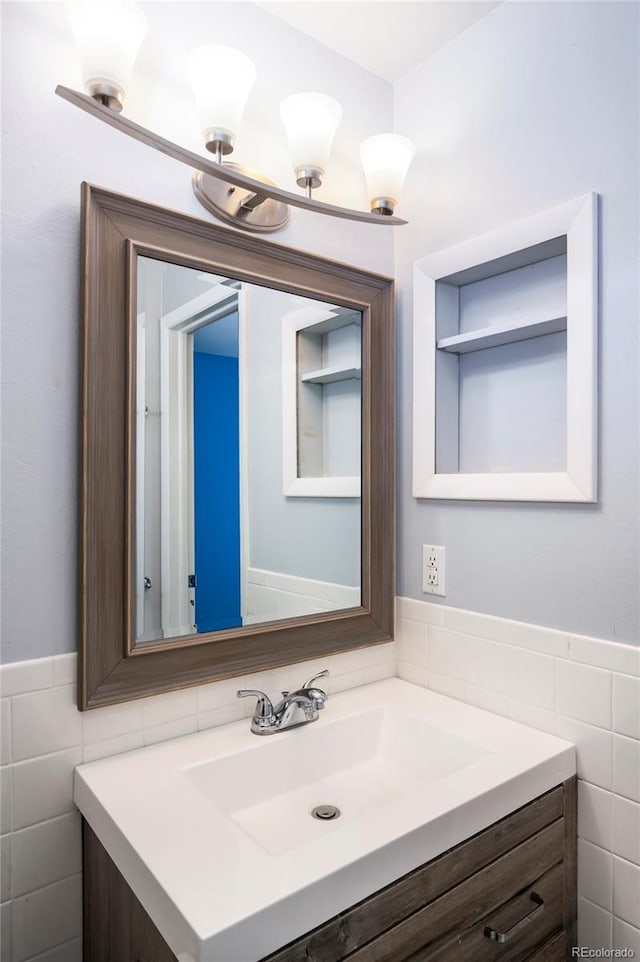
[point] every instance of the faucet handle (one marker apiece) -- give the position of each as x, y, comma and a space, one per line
264, 718
264, 707
317, 696
321, 674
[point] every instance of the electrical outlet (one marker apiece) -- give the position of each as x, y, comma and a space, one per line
433, 569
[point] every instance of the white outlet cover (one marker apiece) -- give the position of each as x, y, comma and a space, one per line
434, 569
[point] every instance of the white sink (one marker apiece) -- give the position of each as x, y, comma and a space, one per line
214, 833
359, 764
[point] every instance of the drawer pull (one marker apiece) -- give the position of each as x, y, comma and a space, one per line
495, 936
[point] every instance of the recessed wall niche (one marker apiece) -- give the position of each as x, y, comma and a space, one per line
505, 342
322, 411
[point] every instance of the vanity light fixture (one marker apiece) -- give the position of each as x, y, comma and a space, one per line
109, 34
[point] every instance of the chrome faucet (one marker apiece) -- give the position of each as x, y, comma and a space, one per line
296, 708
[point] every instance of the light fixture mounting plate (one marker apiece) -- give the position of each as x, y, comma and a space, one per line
239, 206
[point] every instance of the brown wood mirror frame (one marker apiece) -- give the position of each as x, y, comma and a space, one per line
112, 666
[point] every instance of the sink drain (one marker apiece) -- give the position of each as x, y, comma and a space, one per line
326, 812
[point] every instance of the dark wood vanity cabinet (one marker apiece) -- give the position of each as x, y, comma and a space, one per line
508, 893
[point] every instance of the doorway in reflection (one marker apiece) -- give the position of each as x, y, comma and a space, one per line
248, 454
216, 475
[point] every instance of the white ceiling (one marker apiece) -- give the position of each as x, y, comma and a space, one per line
387, 37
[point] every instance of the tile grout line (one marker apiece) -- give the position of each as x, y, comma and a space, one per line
60, 945
42, 888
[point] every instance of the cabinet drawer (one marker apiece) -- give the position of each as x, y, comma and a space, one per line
510, 932
553, 950
470, 901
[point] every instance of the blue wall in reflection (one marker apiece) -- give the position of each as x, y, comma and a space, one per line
216, 491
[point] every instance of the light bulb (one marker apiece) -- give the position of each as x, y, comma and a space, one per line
386, 159
108, 34
221, 78
311, 121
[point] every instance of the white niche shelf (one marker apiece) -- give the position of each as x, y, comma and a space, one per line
505, 362
321, 405
504, 333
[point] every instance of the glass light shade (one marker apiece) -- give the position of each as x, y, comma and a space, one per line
108, 34
221, 78
386, 159
311, 121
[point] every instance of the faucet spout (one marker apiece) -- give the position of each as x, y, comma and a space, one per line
296, 708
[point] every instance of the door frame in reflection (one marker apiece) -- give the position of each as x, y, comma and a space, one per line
177, 511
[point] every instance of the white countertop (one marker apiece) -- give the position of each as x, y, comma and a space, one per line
220, 891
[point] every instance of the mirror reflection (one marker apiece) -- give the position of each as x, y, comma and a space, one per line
248, 453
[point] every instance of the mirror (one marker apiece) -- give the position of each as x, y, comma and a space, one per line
237, 453
229, 376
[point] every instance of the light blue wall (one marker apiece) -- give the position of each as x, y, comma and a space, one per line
48, 149
535, 104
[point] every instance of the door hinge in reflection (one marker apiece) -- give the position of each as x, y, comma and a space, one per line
191, 581
147, 584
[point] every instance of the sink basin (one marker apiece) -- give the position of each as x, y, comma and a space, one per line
214, 832
358, 764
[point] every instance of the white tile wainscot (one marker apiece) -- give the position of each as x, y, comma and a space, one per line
522, 671
583, 689
43, 737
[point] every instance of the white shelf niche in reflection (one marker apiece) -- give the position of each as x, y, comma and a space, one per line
321, 402
443, 338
